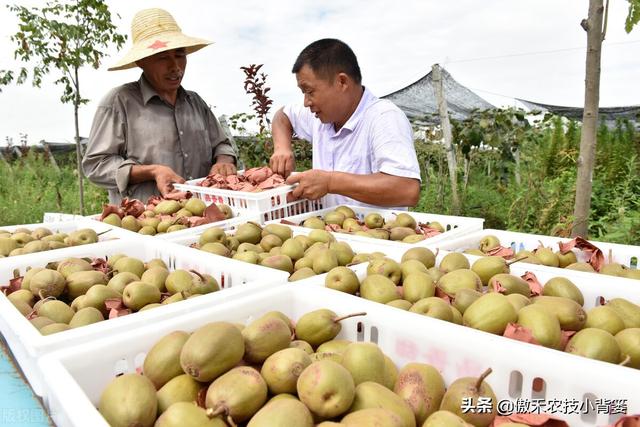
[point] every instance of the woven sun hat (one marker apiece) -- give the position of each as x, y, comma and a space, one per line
154, 31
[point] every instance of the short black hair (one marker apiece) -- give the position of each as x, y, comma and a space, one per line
328, 57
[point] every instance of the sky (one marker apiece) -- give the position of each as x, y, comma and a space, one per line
501, 49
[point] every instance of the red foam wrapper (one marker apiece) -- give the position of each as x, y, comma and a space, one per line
519, 333
627, 421
596, 257
497, 287
258, 175
100, 264
109, 209
505, 253
15, 284
153, 201
253, 180
271, 182
332, 227
566, 336
533, 420
211, 214
178, 195
443, 295
116, 307
232, 179
133, 207
534, 283
427, 231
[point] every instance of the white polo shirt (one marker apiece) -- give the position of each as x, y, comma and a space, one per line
377, 138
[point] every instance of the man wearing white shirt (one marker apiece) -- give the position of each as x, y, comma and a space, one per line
363, 151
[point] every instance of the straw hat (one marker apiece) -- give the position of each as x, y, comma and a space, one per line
154, 31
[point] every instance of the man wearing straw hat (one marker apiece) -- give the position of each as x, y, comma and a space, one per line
148, 134
363, 152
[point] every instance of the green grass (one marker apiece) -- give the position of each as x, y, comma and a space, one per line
31, 186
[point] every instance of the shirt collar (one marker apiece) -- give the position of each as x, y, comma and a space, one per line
355, 118
148, 92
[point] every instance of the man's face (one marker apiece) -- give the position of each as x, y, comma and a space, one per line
323, 97
165, 70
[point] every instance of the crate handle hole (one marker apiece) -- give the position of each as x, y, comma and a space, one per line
538, 388
374, 335
633, 262
588, 409
138, 361
121, 367
360, 331
515, 384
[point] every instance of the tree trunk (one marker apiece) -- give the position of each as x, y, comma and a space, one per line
441, 189
49, 155
516, 157
448, 137
76, 105
427, 176
586, 159
467, 169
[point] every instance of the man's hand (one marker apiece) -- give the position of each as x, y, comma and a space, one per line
225, 165
282, 162
312, 184
165, 177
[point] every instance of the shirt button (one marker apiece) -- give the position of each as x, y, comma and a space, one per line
181, 133
186, 155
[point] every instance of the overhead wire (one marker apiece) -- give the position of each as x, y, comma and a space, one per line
541, 52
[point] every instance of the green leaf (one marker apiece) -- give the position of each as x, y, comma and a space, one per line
633, 16
59, 37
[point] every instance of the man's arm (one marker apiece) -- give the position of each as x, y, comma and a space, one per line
224, 151
104, 164
282, 160
379, 188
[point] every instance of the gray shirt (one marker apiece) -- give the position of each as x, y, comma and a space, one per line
134, 126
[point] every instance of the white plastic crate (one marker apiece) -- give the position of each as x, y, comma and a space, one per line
238, 218
27, 344
110, 232
626, 255
76, 377
59, 217
594, 288
454, 225
357, 246
271, 200
77, 224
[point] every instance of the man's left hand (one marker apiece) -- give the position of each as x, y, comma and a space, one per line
312, 184
224, 166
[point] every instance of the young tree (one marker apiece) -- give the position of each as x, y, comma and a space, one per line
593, 25
60, 38
448, 138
